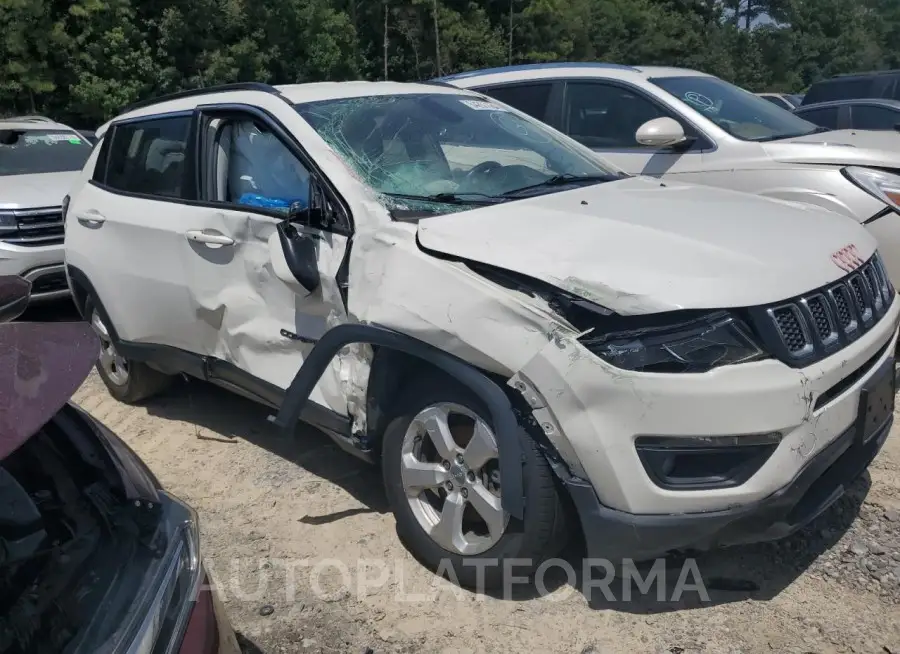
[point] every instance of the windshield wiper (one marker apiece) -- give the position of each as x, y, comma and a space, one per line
778, 137
450, 198
564, 180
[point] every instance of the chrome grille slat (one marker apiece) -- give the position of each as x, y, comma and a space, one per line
844, 310
34, 227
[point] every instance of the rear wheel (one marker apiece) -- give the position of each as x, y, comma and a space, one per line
442, 477
127, 381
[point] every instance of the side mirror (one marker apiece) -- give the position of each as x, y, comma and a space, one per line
14, 295
295, 258
661, 133
314, 212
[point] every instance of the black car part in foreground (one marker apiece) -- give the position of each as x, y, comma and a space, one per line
94, 556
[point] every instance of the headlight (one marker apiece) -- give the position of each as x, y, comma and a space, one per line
877, 183
698, 345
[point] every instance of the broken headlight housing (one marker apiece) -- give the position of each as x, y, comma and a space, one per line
691, 345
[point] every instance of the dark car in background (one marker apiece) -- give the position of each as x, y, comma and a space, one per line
878, 84
866, 113
94, 555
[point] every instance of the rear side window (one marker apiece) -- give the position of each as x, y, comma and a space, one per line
824, 117
531, 99
148, 157
874, 117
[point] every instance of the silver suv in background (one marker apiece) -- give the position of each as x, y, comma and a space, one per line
681, 124
39, 161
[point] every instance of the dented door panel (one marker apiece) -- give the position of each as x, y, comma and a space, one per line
244, 307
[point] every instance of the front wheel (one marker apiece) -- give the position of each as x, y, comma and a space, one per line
127, 381
440, 462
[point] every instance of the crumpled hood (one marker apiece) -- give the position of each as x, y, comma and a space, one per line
841, 148
41, 366
641, 246
35, 191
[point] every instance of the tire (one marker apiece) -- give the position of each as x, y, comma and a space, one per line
539, 536
127, 381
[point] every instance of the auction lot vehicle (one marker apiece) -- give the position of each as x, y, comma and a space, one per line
39, 161
877, 84
784, 100
96, 556
867, 113
679, 124
445, 285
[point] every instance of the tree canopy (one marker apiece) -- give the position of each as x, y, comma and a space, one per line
83, 60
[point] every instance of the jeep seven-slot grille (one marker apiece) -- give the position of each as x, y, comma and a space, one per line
32, 227
805, 329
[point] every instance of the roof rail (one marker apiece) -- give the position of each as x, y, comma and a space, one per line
868, 73
27, 119
548, 65
221, 88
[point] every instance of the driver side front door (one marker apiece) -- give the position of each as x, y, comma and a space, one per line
605, 117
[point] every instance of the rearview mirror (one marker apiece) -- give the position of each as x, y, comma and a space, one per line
14, 295
660, 133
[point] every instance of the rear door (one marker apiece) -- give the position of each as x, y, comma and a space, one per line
124, 230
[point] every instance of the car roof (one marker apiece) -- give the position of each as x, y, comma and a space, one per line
31, 123
290, 93
564, 69
883, 102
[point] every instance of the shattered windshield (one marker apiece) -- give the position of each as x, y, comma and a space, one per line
437, 152
739, 112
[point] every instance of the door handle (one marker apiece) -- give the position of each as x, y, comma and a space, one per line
208, 238
91, 217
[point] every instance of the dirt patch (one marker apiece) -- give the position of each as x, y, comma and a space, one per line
299, 540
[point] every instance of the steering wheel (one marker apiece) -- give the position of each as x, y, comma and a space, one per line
483, 168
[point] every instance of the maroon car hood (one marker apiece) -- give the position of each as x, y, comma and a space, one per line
41, 366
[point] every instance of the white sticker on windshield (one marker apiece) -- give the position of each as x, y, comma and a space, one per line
481, 105
71, 138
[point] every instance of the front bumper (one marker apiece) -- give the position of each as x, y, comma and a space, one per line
42, 266
616, 535
593, 414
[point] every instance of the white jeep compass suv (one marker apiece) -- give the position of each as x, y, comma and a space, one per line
446, 285
39, 161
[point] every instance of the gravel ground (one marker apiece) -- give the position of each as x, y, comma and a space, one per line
298, 538
299, 541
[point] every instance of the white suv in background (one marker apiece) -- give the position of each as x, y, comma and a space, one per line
446, 285
39, 161
684, 125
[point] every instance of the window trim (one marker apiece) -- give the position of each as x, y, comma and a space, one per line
345, 225
704, 144
108, 138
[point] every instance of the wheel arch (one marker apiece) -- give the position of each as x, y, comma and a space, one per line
408, 353
82, 290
